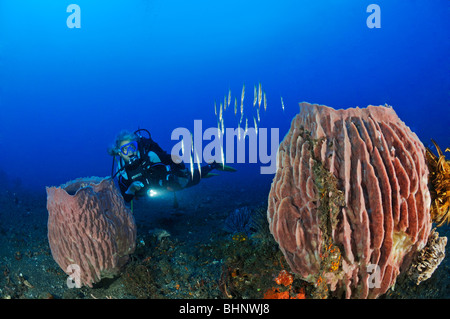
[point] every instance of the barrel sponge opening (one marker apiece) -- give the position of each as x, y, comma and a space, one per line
89, 226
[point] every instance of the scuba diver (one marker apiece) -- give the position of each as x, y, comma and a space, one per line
144, 167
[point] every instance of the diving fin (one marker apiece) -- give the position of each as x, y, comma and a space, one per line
210, 175
225, 168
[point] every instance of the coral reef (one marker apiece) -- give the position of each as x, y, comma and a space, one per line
349, 204
164, 268
199, 260
251, 264
90, 227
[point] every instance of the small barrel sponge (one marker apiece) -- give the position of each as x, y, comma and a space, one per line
90, 227
349, 204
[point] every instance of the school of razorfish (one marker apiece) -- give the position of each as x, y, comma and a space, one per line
259, 98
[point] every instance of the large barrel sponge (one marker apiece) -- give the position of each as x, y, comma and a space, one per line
349, 204
90, 227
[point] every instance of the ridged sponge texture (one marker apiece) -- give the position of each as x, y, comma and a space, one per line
379, 166
90, 227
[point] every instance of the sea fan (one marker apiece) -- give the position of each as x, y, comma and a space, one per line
239, 221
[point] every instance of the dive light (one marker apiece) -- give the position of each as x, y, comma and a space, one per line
151, 193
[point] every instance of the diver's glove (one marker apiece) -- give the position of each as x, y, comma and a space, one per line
134, 187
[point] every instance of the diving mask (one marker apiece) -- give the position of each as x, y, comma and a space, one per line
129, 148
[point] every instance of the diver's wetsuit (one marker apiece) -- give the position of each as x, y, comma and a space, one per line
170, 181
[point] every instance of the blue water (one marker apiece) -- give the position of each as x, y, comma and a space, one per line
161, 65
66, 92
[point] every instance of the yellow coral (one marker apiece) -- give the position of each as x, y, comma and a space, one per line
239, 237
439, 185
